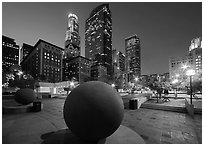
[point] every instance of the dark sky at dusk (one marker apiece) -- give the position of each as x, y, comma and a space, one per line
164, 29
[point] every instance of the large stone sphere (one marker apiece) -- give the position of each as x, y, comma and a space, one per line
25, 96
93, 110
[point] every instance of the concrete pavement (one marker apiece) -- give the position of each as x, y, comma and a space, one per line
164, 127
155, 126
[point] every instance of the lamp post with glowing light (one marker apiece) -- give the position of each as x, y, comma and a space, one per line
72, 84
136, 79
113, 85
190, 73
184, 66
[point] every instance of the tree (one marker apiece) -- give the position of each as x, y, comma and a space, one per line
14, 68
197, 86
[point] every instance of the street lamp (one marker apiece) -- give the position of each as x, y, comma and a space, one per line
113, 85
177, 75
136, 79
71, 83
184, 66
190, 73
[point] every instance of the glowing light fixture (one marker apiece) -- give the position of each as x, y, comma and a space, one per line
175, 81
71, 83
184, 66
136, 79
190, 72
113, 85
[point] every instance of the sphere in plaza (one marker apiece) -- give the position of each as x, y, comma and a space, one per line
25, 96
93, 110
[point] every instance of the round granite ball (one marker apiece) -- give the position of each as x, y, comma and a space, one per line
93, 110
25, 96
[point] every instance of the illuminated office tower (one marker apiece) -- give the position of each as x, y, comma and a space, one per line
121, 61
10, 53
132, 55
114, 61
98, 37
72, 38
78, 68
72, 45
44, 62
193, 60
195, 50
25, 51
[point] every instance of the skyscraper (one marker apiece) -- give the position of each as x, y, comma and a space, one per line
114, 61
193, 60
176, 64
72, 47
10, 53
72, 38
25, 50
121, 61
195, 50
132, 54
44, 62
98, 37
78, 68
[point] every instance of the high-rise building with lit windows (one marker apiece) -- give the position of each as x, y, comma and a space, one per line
114, 61
176, 66
10, 53
121, 61
193, 60
78, 68
132, 55
72, 38
98, 37
25, 50
72, 48
44, 62
195, 50
98, 72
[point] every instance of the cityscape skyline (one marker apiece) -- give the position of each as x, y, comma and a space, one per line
172, 36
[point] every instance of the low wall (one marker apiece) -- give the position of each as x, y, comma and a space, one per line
136, 102
147, 95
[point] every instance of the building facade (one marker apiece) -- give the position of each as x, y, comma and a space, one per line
98, 37
115, 68
98, 72
164, 77
132, 57
192, 60
195, 50
25, 50
10, 53
195, 43
72, 38
44, 62
176, 66
78, 68
121, 61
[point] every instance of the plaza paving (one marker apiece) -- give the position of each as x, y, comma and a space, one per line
155, 126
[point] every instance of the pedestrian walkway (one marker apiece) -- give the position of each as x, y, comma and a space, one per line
154, 126
164, 127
